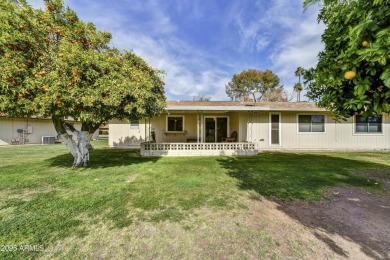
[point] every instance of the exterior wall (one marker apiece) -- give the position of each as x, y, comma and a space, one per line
255, 127
337, 135
122, 134
234, 125
40, 127
190, 128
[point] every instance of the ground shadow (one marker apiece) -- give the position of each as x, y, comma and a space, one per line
104, 158
322, 192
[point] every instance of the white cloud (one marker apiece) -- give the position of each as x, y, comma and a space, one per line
188, 72
262, 43
299, 48
276, 32
285, 34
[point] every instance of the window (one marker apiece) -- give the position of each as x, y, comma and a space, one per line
371, 124
134, 124
175, 123
311, 123
275, 127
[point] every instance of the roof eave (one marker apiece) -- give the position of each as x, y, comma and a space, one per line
237, 108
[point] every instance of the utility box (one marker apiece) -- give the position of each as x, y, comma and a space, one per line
29, 129
48, 140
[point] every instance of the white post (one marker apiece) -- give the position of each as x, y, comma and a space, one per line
201, 128
145, 130
149, 136
251, 126
197, 127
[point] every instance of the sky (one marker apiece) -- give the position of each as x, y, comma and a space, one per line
201, 44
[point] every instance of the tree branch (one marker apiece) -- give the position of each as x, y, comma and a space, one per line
71, 128
59, 125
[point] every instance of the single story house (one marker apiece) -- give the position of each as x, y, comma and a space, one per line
245, 128
23, 130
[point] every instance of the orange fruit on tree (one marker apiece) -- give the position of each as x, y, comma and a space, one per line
365, 44
350, 74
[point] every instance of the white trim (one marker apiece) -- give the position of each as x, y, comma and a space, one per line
201, 128
217, 108
270, 128
367, 133
166, 124
197, 127
238, 108
311, 133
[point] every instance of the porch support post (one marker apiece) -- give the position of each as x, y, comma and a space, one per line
149, 129
250, 124
145, 130
197, 127
149, 137
201, 128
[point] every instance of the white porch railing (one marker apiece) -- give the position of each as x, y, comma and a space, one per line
197, 149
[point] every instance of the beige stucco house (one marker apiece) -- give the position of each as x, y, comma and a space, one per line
23, 130
236, 128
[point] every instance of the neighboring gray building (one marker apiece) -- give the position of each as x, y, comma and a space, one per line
15, 130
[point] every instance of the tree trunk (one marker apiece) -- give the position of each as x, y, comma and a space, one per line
79, 150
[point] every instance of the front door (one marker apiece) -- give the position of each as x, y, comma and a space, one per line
216, 129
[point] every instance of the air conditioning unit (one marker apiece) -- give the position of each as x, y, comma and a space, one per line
48, 140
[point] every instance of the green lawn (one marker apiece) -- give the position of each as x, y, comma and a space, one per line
77, 213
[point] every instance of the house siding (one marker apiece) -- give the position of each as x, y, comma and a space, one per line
40, 127
337, 135
255, 127
122, 134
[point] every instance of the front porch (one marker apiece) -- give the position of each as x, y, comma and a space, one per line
149, 149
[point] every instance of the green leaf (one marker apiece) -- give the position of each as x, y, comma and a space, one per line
385, 76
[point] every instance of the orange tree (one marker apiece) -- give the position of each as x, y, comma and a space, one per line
353, 72
55, 65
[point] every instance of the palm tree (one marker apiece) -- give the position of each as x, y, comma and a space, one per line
298, 87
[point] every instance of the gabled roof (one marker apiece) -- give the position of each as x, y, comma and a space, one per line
240, 106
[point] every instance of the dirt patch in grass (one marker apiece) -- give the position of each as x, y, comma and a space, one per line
132, 177
352, 214
23, 194
254, 230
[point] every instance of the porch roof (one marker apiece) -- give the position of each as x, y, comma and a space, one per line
240, 106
